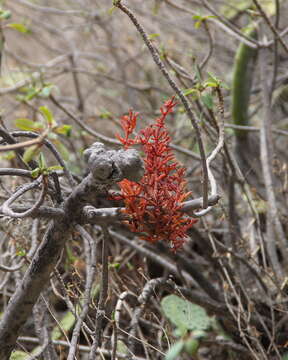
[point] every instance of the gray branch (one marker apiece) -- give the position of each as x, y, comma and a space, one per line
106, 168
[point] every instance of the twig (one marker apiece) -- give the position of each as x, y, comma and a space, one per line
15, 172
221, 22
41, 212
109, 215
271, 26
100, 313
214, 153
104, 171
90, 250
83, 348
82, 125
6, 209
39, 140
177, 90
211, 46
266, 148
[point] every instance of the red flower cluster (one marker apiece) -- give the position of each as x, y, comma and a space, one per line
155, 202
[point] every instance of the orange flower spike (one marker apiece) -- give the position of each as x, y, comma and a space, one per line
128, 123
154, 203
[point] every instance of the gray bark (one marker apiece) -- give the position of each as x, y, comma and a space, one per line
106, 168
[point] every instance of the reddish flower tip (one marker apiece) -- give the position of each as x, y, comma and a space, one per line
154, 204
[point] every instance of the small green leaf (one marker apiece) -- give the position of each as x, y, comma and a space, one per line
197, 24
191, 346
30, 153
62, 149
26, 124
197, 73
52, 136
47, 114
175, 350
210, 84
110, 11
21, 252
64, 130
153, 36
122, 347
35, 173
105, 114
114, 266
190, 91
66, 324
70, 256
19, 355
8, 155
19, 27
54, 168
5, 14
207, 100
31, 93
46, 90
41, 161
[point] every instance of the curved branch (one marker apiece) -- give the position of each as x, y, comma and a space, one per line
6, 210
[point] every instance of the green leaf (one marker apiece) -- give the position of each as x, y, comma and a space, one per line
62, 149
110, 11
115, 266
63, 130
197, 24
8, 155
21, 252
5, 14
191, 346
122, 347
70, 256
184, 314
30, 153
105, 115
19, 355
46, 90
31, 93
26, 124
210, 84
66, 324
35, 173
41, 161
190, 91
54, 168
19, 27
153, 36
175, 350
48, 116
197, 73
207, 100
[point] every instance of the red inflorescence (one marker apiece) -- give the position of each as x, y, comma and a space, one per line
154, 204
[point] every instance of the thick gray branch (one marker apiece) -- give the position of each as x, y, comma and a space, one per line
106, 168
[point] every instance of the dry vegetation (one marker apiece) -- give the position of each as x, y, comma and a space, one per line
101, 287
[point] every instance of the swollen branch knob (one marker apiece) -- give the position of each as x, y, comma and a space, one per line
113, 165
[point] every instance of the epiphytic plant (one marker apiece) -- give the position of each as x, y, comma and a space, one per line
154, 203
